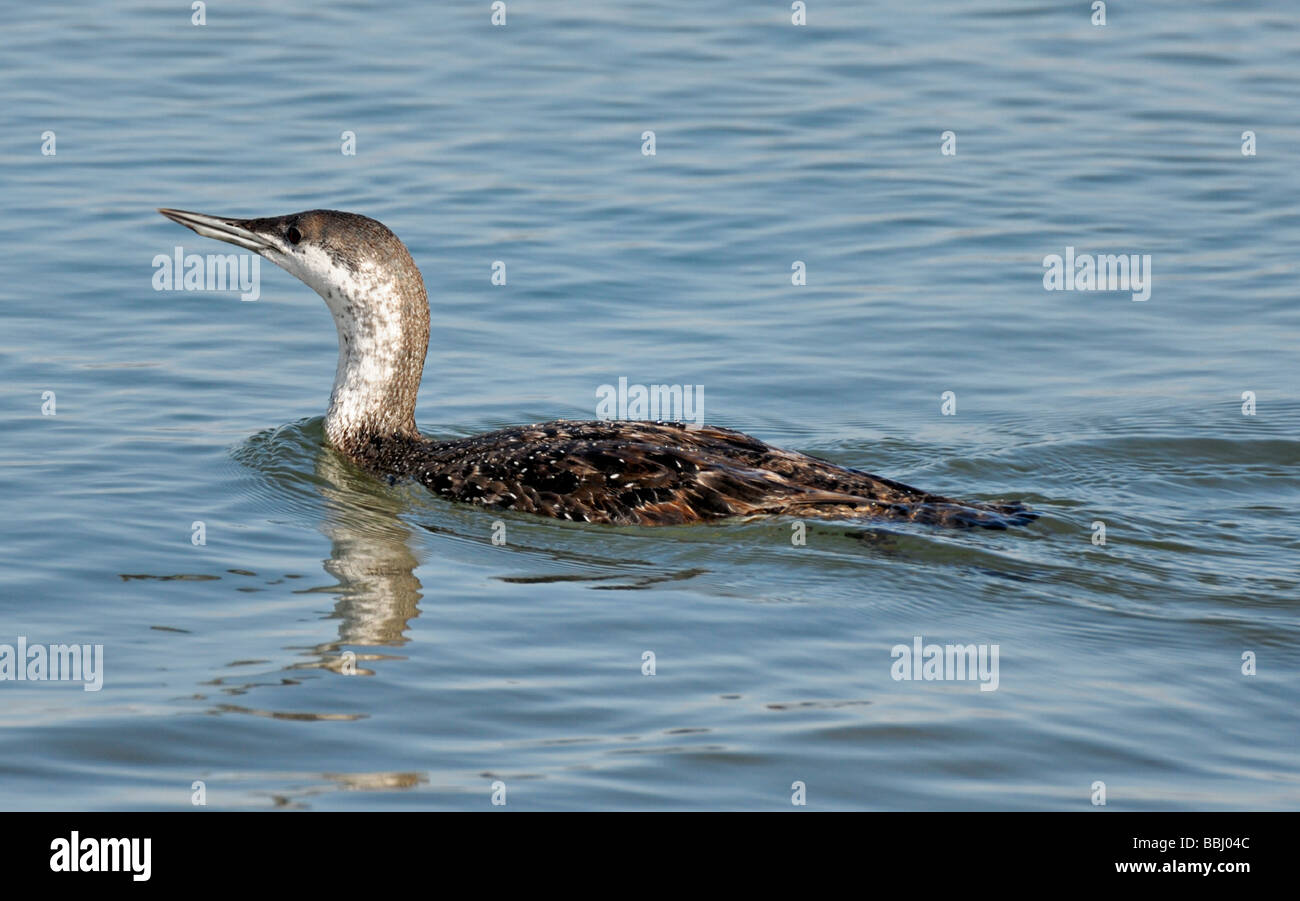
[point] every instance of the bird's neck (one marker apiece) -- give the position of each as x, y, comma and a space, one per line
382, 345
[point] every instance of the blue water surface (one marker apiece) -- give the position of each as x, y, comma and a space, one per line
340, 643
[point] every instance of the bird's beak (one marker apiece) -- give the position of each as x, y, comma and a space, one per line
232, 231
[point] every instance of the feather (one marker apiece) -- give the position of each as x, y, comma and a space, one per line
657, 473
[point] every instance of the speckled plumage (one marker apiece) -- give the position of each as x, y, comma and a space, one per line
647, 473
610, 472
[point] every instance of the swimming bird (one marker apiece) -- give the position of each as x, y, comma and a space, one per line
614, 472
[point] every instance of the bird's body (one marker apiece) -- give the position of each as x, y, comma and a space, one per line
609, 472
655, 473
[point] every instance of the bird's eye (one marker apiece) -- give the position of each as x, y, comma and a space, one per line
293, 234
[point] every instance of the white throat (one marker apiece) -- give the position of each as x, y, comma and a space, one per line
382, 343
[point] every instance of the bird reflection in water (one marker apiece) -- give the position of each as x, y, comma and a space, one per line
372, 561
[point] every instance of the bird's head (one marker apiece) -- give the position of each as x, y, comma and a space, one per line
373, 289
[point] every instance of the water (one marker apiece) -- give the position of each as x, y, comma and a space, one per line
225, 663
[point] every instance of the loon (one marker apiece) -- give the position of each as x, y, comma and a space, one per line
612, 472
